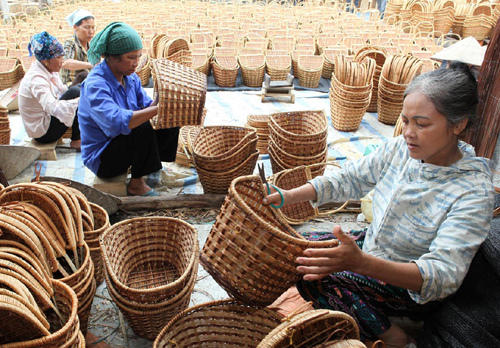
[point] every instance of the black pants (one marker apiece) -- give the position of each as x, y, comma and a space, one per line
57, 128
143, 149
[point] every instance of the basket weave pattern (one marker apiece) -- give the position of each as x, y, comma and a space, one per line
4, 126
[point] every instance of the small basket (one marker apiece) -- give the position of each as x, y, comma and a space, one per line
312, 328
225, 69
267, 267
278, 67
301, 126
219, 323
200, 62
310, 69
253, 68
182, 92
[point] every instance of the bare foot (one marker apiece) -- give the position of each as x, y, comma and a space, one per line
137, 187
76, 144
395, 337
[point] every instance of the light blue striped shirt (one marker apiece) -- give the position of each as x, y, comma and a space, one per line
434, 216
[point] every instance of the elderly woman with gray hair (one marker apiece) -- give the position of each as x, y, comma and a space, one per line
432, 209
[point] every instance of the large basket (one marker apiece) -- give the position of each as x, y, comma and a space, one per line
253, 68
182, 92
312, 328
267, 267
278, 67
310, 69
225, 323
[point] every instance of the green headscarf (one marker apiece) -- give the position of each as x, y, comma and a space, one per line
116, 38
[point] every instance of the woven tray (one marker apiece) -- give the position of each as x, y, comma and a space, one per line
267, 268
182, 92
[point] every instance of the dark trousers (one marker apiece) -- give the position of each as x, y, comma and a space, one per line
57, 128
143, 149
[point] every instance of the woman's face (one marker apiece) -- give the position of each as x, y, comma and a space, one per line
427, 133
85, 31
53, 64
126, 64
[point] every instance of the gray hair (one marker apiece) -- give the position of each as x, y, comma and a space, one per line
453, 92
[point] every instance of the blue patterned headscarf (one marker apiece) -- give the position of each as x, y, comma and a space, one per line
45, 46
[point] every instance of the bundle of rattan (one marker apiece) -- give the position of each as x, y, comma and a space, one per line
299, 213
237, 325
144, 69
222, 153
478, 22
225, 69
350, 92
4, 126
182, 93
101, 223
329, 65
260, 123
297, 138
11, 71
312, 329
253, 68
278, 66
151, 266
378, 54
184, 155
58, 217
267, 268
397, 73
444, 13
310, 68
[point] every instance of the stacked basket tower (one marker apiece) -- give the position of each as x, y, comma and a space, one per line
4, 126
260, 123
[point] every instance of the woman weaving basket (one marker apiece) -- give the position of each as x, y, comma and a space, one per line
47, 106
432, 210
115, 112
75, 49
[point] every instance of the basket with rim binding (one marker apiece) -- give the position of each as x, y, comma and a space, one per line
302, 126
310, 69
253, 68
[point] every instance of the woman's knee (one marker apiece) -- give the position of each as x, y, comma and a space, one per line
72, 93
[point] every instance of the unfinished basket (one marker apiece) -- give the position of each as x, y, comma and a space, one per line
182, 92
253, 68
267, 268
312, 328
225, 323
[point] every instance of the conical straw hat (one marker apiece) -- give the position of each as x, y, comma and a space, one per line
468, 51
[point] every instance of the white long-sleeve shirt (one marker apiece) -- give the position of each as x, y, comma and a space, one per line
436, 217
39, 95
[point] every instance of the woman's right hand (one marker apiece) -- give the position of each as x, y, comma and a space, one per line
275, 198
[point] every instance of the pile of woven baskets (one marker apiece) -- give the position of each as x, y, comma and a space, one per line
11, 71
260, 123
297, 138
398, 71
151, 266
350, 92
222, 153
101, 223
478, 22
4, 126
181, 91
378, 54
45, 224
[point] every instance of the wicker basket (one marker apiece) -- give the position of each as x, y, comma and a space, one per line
182, 92
4, 126
300, 126
225, 69
267, 268
11, 71
144, 69
220, 323
260, 123
310, 69
278, 67
184, 155
312, 328
101, 223
292, 161
349, 343
200, 62
253, 68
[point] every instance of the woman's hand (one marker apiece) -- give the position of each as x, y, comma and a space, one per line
303, 193
318, 263
275, 198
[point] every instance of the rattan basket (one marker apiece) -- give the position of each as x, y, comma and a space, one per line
225, 70
11, 71
310, 68
101, 223
184, 155
182, 92
253, 68
300, 126
144, 69
267, 268
226, 323
278, 67
312, 328
259, 122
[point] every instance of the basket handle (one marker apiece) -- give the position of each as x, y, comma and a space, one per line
296, 311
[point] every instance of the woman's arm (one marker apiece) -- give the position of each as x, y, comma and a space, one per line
141, 116
73, 64
318, 263
305, 192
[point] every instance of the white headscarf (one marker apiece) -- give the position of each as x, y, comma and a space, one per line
77, 16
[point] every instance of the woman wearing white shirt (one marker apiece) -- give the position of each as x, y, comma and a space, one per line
47, 106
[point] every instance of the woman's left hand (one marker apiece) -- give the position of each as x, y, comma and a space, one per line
318, 263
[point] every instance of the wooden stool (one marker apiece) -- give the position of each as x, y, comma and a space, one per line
47, 151
116, 186
278, 89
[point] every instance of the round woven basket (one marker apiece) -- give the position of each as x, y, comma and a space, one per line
301, 126
149, 259
253, 68
278, 67
312, 328
225, 323
310, 68
182, 93
267, 268
225, 70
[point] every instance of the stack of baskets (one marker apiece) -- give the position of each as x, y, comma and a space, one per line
478, 22
350, 92
310, 68
222, 153
182, 92
297, 138
4, 126
328, 65
176, 50
260, 123
225, 68
444, 12
11, 71
378, 54
184, 156
278, 65
151, 267
253, 68
267, 267
101, 223
397, 73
